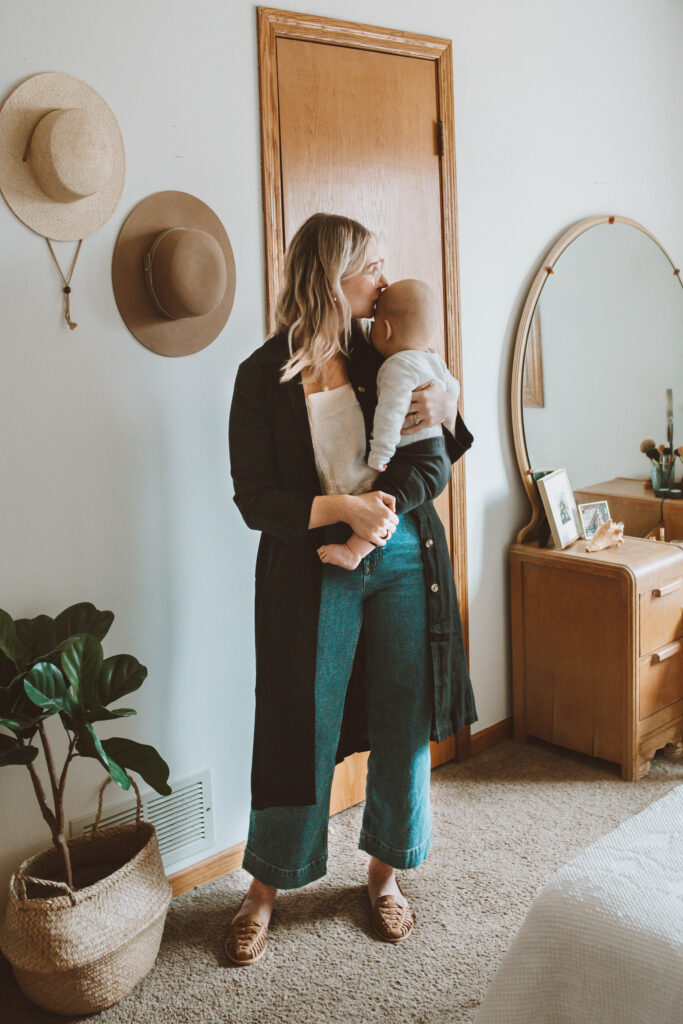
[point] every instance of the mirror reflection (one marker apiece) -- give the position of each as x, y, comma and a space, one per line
605, 344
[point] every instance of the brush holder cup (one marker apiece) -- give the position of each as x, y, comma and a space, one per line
664, 478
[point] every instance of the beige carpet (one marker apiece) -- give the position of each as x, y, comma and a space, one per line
504, 822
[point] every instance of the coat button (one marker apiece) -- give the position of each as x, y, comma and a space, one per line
361, 388
428, 543
435, 587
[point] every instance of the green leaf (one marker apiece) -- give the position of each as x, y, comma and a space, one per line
83, 618
8, 670
14, 703
44, 685
140, 758
48, 683
82, 662
37, 636
10, 645
24, 723
100, 714
121, 674
90, 745
44, 636
15, 724
13, 752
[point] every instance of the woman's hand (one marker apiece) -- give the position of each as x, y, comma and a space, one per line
432, 405
372, 516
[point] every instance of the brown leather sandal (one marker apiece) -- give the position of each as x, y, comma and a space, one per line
392, 920
247, 939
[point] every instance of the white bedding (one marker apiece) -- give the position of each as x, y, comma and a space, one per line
602, 942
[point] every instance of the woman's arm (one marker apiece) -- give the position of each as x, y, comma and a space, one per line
265, 506
369, 515
435, 405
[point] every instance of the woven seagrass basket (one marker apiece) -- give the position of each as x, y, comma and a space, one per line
85, 949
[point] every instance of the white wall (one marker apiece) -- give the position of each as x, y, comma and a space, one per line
114, 469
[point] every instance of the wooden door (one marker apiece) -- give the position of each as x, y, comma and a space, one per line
357, 121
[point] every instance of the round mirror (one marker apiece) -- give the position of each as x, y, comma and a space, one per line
601, 341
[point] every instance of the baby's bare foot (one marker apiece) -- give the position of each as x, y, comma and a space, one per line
339, 554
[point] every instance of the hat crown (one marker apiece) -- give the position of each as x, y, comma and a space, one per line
70, 154
187, 272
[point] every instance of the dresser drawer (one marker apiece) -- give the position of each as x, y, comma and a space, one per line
661, 615
661, 678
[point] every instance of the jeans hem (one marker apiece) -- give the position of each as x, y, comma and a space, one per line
283, 878
389, 855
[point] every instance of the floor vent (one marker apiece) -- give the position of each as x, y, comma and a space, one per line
183, 819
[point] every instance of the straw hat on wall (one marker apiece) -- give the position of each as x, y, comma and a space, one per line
173, 274
62, 162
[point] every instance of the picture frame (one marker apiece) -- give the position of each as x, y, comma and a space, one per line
591, 514
560, 508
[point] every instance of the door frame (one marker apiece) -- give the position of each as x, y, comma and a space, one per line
273, 24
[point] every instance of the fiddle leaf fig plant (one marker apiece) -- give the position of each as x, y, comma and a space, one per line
57, 666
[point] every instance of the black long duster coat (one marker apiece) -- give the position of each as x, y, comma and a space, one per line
275, 481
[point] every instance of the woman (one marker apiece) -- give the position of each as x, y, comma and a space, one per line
371, 659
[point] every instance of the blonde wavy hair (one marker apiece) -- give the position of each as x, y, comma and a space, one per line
311, 305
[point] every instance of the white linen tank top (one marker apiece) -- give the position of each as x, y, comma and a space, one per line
338, 435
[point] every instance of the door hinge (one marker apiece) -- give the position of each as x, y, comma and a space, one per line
440, 138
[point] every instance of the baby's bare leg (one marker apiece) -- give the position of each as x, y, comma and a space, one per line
347, 556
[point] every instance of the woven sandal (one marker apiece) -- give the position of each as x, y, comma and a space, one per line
392, 920
247, 939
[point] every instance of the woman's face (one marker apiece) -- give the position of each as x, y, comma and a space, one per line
364, 288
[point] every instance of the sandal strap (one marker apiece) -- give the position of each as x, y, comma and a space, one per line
247, 932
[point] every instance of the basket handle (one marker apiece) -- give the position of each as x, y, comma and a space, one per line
138, 816
23, 879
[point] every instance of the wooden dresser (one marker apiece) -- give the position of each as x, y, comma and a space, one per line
597, 646
636, 507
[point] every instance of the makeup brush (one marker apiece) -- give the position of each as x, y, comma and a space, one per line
649, 448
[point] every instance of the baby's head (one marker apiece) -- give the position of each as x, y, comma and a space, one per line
407, 315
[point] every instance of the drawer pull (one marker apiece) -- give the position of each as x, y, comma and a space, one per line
666, 652
668, 589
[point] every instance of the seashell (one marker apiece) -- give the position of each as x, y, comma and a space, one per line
608, 535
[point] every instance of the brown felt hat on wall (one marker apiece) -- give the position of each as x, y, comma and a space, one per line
62, 162
173, 273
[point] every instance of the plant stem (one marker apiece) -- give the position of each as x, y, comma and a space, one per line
61, 844
42, 799
56, 820
69, 758
49, 760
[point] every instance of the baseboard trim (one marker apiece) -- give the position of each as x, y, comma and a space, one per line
486, 738
219, 864
207, 870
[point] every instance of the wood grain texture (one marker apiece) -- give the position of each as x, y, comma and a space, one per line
532, 376
207, 870
349, 110
629, 503
491, 736
584, 673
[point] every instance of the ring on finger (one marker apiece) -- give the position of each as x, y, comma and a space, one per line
416, 418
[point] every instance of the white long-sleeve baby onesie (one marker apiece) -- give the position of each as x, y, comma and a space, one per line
398, 376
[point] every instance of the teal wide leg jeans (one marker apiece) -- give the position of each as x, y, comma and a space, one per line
287, 846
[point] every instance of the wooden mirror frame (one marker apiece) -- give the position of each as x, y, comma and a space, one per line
530, 531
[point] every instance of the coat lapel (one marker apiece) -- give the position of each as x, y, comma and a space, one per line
297, 400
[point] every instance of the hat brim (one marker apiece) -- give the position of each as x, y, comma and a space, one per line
149, 218
23, 108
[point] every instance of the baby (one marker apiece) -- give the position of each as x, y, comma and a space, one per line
407, 318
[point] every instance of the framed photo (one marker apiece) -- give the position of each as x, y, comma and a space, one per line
593, 513
560, 508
